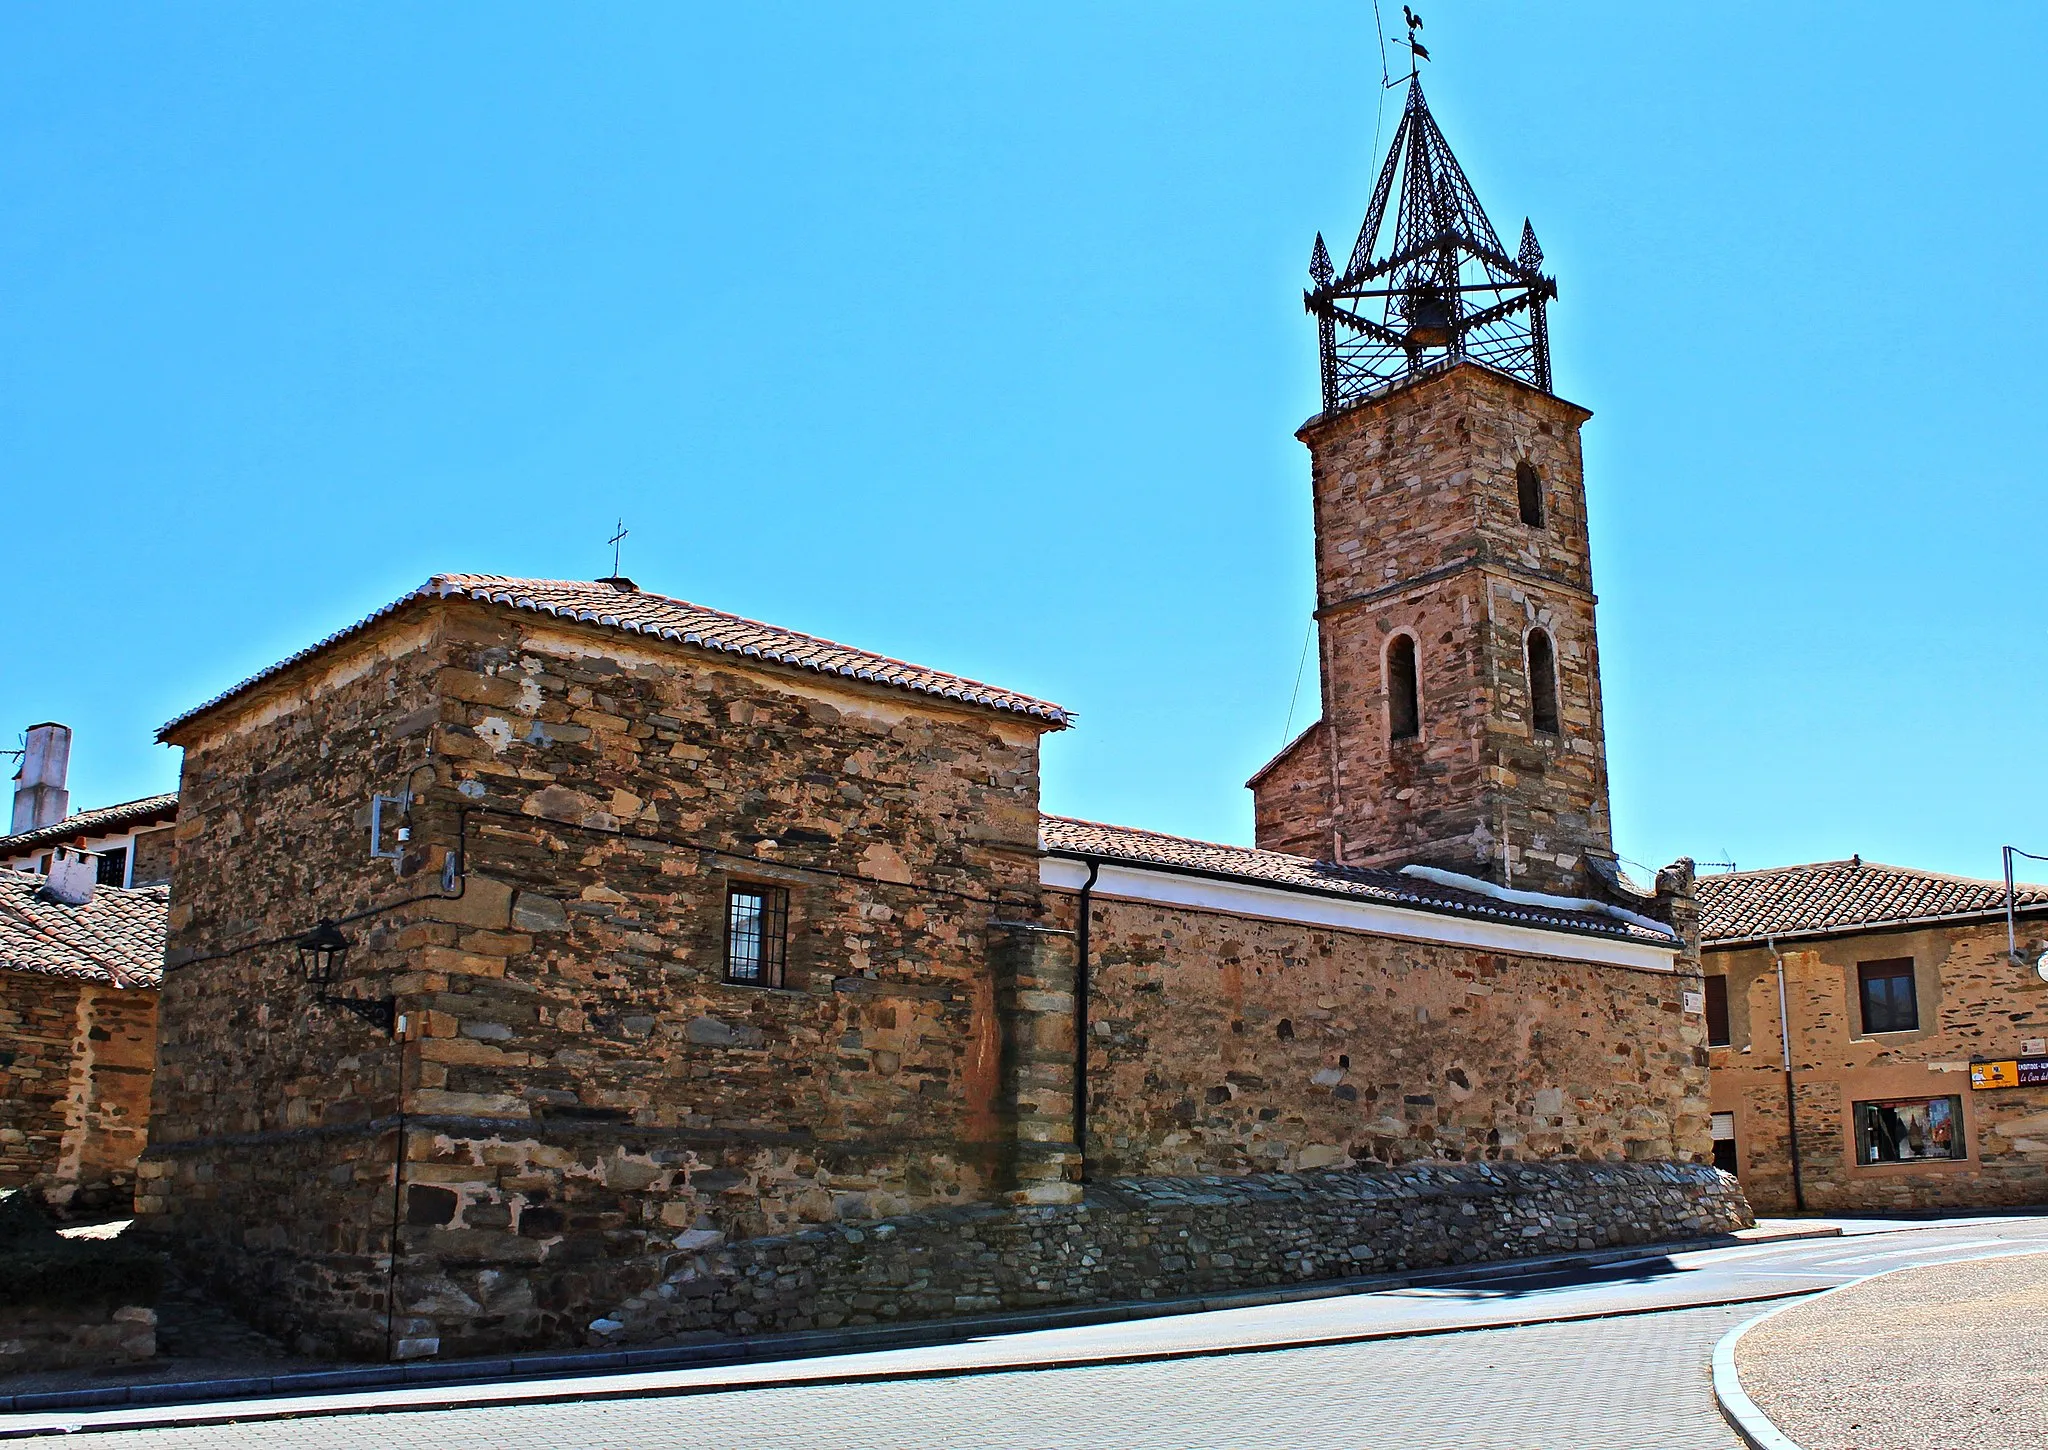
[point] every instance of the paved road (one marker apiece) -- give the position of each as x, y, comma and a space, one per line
1633, 1383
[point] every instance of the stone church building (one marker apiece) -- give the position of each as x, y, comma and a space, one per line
555, 961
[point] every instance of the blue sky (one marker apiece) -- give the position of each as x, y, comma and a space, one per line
971, 333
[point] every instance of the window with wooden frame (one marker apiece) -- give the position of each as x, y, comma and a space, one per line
1404, 695
1542, 683
756, 934
114, 867
1886, 991
1717, 1011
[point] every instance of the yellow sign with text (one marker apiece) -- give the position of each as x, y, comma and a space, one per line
1994, 1074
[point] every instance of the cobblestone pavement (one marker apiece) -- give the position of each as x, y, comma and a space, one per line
1636, 1383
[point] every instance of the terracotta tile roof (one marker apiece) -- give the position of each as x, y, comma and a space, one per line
1834, 896
117, 937
679, 622
1061, 835
105, 821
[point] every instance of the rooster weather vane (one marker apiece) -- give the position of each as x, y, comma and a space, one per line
1443, 289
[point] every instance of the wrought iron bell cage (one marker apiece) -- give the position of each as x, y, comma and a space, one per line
1442, 289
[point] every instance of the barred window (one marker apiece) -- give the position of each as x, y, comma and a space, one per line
756, 934
114, 867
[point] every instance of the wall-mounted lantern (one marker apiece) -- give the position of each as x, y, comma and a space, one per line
323, 952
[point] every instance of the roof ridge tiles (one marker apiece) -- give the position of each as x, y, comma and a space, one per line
697, 625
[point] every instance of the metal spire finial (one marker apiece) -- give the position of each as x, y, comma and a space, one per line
1320, 269
1443, 287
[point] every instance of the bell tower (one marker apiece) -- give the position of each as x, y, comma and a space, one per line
1461, 723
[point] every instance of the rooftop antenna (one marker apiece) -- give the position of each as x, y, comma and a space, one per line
617, 580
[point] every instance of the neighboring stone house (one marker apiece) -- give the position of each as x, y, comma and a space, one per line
78, 1003
130, 842
1918, 1069
554, 959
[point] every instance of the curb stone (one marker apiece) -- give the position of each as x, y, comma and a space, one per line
1742, 1413
1736, 1407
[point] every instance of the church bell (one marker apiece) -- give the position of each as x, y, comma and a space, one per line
1429, 318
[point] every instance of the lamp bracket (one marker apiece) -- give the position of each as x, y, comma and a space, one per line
377, 1011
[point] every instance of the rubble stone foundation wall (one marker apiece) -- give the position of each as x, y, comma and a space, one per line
1147, 1238
34, 1337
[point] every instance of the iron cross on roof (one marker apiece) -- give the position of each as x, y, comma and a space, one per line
617, 580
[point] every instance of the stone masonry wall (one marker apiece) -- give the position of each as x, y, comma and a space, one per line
153, 853
75, 1062
1229, 1044
1973, 1004
1139, 1238
1417, 532
269, 1167
1291, 799
579, 1082
38, 1021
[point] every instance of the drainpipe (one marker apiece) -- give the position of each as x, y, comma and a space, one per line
1081, 1017
1791, 1103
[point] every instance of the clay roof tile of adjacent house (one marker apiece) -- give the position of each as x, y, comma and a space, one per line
117, 937
101, 822
636, 611
1825, 898
1061, 835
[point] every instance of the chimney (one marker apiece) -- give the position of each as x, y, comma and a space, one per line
39, 795
74, 872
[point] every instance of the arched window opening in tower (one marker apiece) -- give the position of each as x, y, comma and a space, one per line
1404, 701
1542, 682
1529, 492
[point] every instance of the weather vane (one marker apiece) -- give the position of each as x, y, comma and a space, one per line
1416, 50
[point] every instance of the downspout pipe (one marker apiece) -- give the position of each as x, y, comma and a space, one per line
1081, 926
1791, 1102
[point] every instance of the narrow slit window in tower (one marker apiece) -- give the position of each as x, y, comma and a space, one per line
1529, 493
1542, 682
1404, 702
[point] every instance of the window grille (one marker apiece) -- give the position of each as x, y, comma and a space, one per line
756, 934
114, 867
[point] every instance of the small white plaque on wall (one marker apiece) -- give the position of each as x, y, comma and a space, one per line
2035, 1046
1695, 1001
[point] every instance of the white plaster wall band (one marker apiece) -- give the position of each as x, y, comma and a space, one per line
1242, 898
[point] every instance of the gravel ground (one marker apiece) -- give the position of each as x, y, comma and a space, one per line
1946, 1357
